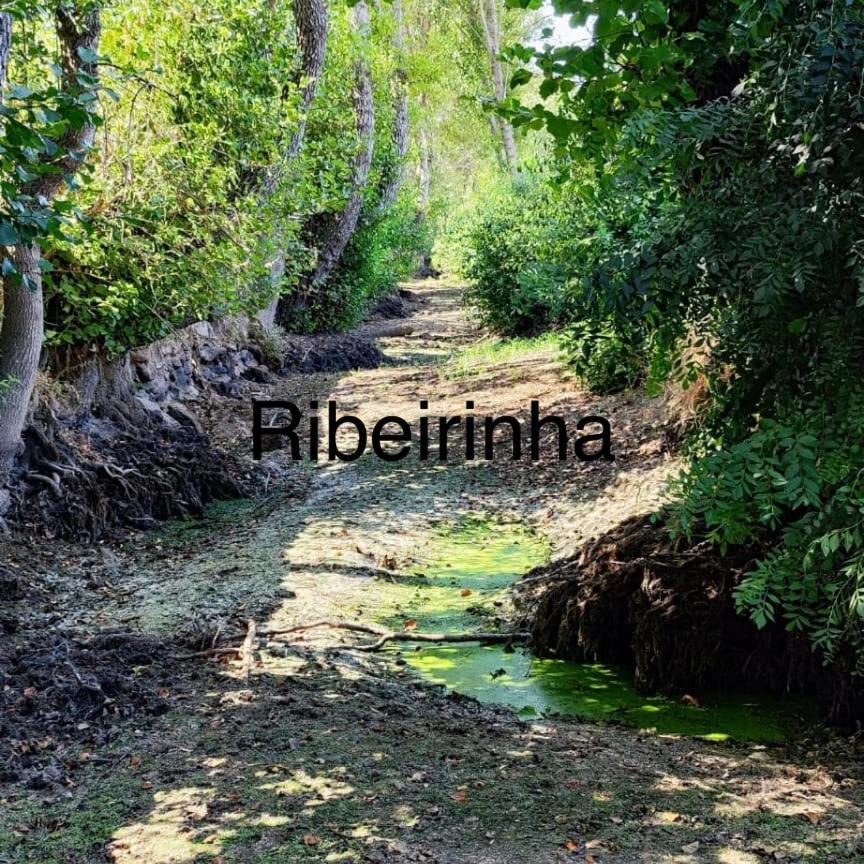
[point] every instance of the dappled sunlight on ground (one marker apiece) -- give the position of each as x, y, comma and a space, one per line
323, 754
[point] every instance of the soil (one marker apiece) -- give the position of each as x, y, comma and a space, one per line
316, 752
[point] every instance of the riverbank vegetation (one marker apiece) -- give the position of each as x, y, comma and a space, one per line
206, 204
698, 223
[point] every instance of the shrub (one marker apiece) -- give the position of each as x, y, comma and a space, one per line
604, 356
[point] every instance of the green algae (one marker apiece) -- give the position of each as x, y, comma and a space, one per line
465, 586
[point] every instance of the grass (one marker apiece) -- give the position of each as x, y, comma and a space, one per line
484, 357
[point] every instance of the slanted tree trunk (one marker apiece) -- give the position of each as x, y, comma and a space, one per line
492, 34
338, 228
312, 28
393, 183
311, 17
22, 330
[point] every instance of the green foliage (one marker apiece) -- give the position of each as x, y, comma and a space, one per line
728, 219
603, 356
795, 484
515, 264
37, 117
176, 229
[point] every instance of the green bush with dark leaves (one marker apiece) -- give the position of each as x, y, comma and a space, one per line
727, 144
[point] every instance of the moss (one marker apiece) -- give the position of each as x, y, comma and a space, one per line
469, 570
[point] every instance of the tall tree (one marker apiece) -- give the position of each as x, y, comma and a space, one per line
22, 333
312, 20
311, 17
491, 22
394, 179
338, 228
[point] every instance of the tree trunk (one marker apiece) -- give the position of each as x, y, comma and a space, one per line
312, 27
339, 228
22, 330
20, 347
311, 17
492, 33
5, 47
393, 183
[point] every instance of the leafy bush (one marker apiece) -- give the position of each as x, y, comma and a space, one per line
729, 215
796, 484
515, 264
603, 356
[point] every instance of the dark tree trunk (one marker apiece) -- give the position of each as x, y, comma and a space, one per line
337, 229
23, 323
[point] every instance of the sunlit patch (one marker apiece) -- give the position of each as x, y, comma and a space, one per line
175, 832
737, 856
267, 820
320, 788
404, 815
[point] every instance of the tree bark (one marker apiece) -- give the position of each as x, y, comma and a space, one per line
5, 48
393, 183
339, 228
22, 330
312, 20
492, 34
312, 28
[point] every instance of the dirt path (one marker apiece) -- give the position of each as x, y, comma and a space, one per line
326, 754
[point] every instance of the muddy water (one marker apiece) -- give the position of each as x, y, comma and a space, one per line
464, 587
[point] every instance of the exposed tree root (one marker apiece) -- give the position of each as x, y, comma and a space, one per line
81, 486
634, 596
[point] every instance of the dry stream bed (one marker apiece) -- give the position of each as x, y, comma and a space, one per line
323, 753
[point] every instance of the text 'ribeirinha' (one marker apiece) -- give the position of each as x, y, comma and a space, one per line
393, 438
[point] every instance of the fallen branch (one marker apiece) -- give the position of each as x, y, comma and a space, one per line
385, 636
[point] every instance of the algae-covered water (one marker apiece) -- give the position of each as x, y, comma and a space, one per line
464, 587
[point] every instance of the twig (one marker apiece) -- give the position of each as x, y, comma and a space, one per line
385, 636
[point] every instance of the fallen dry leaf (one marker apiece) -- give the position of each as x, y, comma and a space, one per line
571, 845
311, 839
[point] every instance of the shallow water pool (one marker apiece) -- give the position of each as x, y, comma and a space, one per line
464, 587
